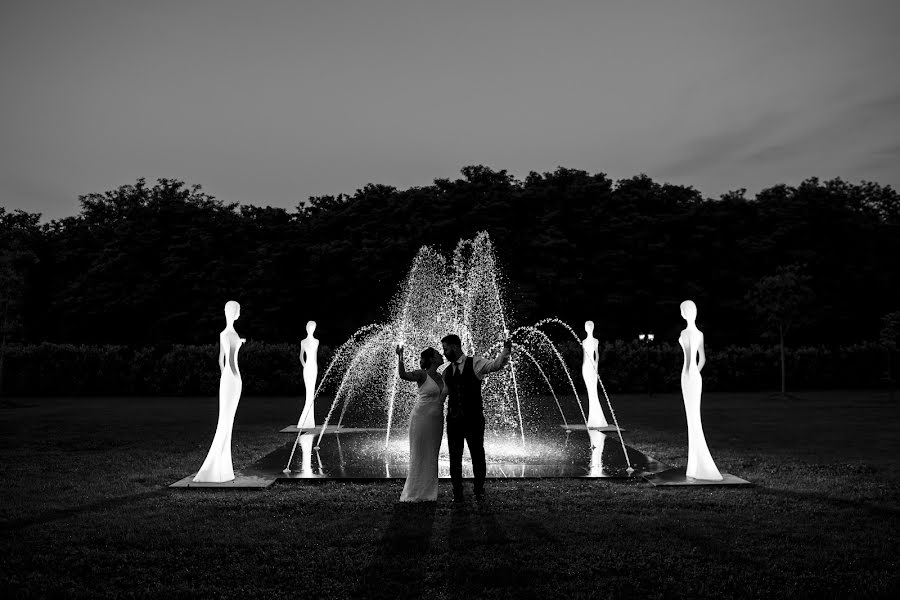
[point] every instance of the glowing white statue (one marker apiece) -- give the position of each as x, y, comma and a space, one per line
700, 464
589, 370
309, 348
217, 467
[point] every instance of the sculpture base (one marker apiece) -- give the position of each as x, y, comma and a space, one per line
679, 476
329, 429
250, 480
583, 427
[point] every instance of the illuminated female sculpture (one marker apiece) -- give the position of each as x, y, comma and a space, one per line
700, 464
589, 370
309, 348
217, 467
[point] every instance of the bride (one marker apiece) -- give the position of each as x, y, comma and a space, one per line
426, 426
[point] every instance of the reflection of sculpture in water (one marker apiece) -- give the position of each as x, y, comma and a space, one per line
598, 440
700, 464
217, 467
306, 446
309, 347
589, 370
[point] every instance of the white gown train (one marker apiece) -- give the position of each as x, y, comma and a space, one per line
426, 429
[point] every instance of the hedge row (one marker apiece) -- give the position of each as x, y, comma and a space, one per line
274, 369
628, 366
173, 370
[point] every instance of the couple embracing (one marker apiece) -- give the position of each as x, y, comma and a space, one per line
461, 386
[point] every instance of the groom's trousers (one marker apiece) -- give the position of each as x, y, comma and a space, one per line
470, 431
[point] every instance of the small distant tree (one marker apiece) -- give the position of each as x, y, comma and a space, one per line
780, 300
889, 337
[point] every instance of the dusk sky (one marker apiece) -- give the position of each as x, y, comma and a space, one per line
268, 103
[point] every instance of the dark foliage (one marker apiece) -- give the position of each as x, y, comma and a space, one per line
273, 369
155, 264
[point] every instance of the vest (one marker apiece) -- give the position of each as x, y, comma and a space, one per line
464, 399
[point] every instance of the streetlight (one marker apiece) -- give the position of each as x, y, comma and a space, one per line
647, 339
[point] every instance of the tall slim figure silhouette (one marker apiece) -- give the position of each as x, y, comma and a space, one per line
589, 368
309, 348
700, 463
217, 467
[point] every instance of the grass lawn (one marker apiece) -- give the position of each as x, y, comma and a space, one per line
86, 510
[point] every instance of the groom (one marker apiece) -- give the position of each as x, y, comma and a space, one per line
465, 413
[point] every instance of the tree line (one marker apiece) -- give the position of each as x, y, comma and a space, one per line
154, 264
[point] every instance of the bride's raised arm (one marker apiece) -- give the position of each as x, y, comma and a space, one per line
418, 375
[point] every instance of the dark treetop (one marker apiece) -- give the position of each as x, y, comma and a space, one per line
155, 264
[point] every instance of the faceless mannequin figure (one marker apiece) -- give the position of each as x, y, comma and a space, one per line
589, 372
217, 467
700, 464
309, 348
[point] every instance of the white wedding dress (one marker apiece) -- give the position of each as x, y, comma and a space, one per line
426, 428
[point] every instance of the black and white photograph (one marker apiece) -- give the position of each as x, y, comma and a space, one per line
519, 299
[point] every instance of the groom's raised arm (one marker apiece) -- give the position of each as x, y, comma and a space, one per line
483, 366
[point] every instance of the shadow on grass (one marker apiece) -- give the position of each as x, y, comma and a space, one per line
404, 556
398, 568
472, 526
482, 559
878, 510
63, 513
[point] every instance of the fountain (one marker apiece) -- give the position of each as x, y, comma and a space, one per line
522, 434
